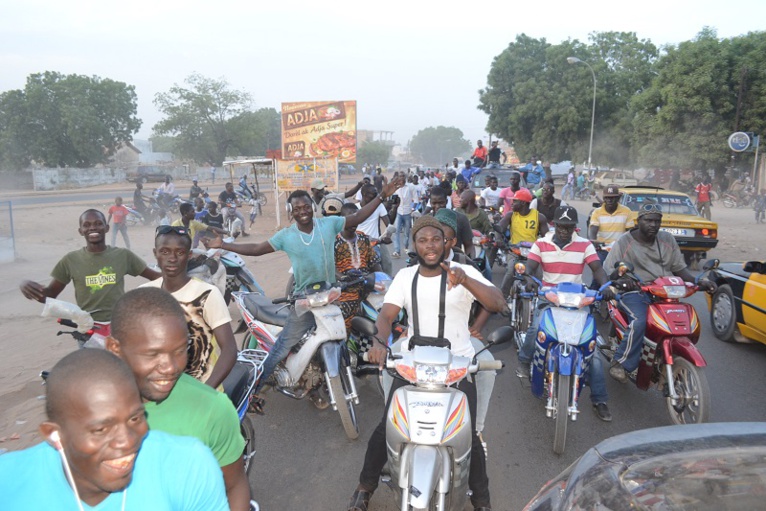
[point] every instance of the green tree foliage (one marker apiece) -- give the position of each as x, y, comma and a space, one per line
200, 117
373, 152
66, 120
256, 132
437, 146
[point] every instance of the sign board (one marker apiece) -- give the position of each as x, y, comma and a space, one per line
739, 141
320, 129
297, 174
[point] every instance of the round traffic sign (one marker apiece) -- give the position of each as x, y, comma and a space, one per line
739, 141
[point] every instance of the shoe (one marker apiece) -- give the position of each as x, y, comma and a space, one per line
602, 411
360, 501
245, 234
618, 373
395, 255
522, 371
318, 401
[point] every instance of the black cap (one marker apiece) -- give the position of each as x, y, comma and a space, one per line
565, 215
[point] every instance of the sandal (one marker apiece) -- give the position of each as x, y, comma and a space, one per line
256, 405
360, 501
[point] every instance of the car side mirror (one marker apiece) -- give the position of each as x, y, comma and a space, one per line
754, 267
500, 336
364, 326
711, 264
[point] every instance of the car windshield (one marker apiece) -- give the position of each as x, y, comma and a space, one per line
671, 204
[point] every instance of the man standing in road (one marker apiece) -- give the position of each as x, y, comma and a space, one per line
120, 213
97, 272
408, 195
379, 180
569, 186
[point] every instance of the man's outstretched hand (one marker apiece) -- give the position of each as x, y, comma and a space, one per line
216, 242
455, 275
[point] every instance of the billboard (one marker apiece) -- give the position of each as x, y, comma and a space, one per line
297, 174
319, 129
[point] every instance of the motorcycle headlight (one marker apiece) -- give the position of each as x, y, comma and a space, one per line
675, 291
569, 299
431, 374
520, 268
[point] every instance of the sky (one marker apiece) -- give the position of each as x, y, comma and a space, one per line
408, 64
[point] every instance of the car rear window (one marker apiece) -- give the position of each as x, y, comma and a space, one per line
671, 204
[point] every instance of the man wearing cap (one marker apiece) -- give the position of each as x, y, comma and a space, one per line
653, 253
309, 243
525, 224
195, 190
464, 285
319, 193
562, 256
611, 220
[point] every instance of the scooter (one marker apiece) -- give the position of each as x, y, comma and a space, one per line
669, 358
521, 308
238, 275
321, 360
428, 430
566, 342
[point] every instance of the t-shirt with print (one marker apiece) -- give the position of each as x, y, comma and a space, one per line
611, 226
312, 255
170, 473
98, 277
658, 259
457, 308
197, 410
371, 226
225, 198
118, 213
205, 310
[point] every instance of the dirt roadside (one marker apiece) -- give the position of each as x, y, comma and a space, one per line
44, 234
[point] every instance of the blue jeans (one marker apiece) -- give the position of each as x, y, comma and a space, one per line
493, 165
295, 328
568, 189
595, 377
628, 352
403, 223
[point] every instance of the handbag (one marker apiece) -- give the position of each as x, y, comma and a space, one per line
422, 340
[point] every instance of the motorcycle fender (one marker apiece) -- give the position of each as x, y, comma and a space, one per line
683, 347
425, 467
564, 362
245, 276
331, 353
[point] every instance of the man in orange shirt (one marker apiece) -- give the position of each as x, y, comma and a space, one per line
479, 154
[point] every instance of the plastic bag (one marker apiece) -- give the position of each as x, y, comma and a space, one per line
60, 309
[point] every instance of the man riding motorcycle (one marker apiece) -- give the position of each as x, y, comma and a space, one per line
653, 253
611, 220
465, 284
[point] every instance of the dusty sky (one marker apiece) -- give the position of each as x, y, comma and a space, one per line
408, 64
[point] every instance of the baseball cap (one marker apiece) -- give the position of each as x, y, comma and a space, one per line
523, 195
612, 191
331, 206
318, 183
565, 215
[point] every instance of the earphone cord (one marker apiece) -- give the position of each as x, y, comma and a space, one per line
70, 478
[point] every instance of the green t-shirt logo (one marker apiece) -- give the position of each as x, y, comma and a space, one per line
105, 277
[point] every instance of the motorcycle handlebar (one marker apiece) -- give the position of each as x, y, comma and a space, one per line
67, 322
490, 365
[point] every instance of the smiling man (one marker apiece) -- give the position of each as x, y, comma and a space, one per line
97, 451
149, 333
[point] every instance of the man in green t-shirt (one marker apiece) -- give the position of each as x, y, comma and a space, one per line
150, 334
97, 271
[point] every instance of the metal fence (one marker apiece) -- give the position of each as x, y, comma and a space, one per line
7, 236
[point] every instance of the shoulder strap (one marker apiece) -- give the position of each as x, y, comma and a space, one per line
442, 294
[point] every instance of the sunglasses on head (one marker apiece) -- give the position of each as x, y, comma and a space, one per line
166, 229
650, 208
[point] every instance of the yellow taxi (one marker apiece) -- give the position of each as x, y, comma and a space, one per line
738, 307
695, 235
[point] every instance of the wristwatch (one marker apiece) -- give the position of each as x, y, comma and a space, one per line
382, 197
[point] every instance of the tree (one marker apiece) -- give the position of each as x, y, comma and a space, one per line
71, 120
256, 132
438, 145
373, 153
202, 117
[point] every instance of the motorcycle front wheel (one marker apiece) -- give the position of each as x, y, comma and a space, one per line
729, 203
562, 415
521, 315
341, 387
693, 392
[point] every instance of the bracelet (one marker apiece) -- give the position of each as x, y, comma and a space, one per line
382, 197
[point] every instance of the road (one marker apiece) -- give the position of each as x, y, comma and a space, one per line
304, 460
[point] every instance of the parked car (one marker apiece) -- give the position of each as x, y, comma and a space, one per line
618, 178
560, 171
738, 307
694, 234
148, 173
683, 468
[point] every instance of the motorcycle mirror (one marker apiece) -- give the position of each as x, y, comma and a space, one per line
711, 264
751, 266
500, 336
364, 326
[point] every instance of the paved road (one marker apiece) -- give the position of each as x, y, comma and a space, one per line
304, 460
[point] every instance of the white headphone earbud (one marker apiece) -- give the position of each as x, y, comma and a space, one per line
55, 437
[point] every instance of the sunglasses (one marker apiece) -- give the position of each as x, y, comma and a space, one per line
650, 208
167, 229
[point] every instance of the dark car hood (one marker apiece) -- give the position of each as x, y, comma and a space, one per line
734, 268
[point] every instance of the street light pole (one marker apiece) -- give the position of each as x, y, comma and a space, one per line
575, 60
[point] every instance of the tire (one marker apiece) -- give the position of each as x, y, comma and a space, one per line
522, 313
723, 314
248, 433
729, 203
339, 387
261, 199
132, 220
562, 416
689, 380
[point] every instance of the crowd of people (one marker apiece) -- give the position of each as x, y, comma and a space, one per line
170, 345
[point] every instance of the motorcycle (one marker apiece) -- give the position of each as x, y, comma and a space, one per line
428, 431
743, 200
321, 360
231, 223
238, 275
669, 358
521, 309
566, 342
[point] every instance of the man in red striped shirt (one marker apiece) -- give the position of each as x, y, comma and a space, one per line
562, 256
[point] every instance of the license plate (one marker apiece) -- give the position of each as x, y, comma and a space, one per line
675, 232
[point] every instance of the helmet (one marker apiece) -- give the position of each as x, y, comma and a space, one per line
330, 206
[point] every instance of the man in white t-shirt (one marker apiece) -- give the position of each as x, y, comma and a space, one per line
464, 285
408, 194
490, 196
371, 227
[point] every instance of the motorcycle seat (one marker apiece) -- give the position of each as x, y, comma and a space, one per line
263, 310
236, 384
